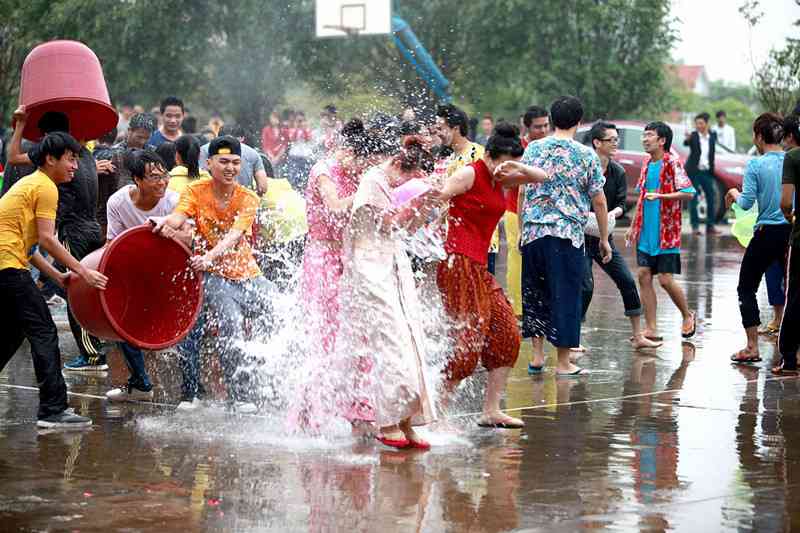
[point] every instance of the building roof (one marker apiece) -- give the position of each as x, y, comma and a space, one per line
689, 74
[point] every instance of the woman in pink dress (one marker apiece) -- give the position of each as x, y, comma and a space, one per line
329, 196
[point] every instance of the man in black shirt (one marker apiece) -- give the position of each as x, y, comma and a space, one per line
604, 139
76, 225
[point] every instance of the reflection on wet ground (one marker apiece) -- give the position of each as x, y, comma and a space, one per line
679, 440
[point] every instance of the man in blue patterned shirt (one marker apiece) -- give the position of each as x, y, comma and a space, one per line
553, 218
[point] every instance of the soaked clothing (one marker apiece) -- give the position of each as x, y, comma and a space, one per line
34, 196
381, 321
213, 222
487, 329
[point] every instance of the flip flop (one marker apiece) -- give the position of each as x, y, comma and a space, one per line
535, 370
781, 371
579, 372
419, 444
654, 338
400, 444
769, 329
690, 334
500, 425
737, 358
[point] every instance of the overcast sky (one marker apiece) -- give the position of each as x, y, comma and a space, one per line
714, 34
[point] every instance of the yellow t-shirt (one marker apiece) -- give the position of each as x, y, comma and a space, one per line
179, 178
34, 196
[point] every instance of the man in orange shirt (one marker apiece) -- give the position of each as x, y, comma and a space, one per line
234, 289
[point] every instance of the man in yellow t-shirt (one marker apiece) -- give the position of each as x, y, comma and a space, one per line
27, 219
452, 125
234, 289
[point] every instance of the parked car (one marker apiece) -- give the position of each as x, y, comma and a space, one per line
729, 166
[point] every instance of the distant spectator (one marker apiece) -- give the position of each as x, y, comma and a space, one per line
301, 151
485, 129
726, 135
325, 137
172, 113
125, 113
702, 144
274, 141
189, 125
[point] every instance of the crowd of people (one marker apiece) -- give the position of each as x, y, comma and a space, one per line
394, 207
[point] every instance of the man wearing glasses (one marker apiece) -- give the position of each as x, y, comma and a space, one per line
605, 138
129, 207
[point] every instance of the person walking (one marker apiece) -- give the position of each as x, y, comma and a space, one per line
702, 145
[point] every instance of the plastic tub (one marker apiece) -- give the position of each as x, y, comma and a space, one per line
152, 299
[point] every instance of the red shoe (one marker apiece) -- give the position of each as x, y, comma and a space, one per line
420, 444
400, 444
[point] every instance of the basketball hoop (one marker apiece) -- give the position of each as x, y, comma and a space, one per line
351, 18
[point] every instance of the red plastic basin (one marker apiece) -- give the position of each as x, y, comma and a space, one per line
66, 76
152, 298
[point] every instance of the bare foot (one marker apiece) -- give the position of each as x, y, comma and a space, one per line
500, 420
570, 369
579, 348
642, 342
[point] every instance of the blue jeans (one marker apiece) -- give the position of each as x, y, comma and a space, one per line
775, 278
706, 181
134, 358
228, 307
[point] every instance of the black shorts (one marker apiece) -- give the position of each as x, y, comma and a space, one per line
659, 264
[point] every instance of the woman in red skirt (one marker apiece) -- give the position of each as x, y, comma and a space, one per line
486, 329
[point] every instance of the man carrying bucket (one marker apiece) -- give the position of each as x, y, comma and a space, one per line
234, 289
27, 218
129, 207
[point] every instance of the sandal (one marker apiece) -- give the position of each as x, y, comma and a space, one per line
743, 357
769, 329
689, 334
578, 373
781, 370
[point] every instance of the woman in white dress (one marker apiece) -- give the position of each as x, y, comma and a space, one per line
380, 321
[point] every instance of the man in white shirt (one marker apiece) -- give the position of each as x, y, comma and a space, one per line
726, 135
702, 145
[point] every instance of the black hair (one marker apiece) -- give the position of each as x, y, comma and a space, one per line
270, 172
504, 141
54, 144
355, 137
108, 137
189, 125
705, 116
566, 112
136, 162
171, 100
166, 151
330, 109
53, 121
598, 131
770, 127
409, 128
413, 155
189, 150
791, 127
533, 112
454, 117
721, 113
662, 132
234, 130
143, 121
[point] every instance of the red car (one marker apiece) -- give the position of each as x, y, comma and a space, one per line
729, 166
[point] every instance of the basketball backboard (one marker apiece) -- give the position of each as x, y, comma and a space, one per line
341, 18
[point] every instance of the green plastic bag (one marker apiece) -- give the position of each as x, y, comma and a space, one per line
742, 228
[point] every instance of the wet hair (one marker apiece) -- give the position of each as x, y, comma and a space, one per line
108, 137
533, 112
703, 116
413, 155
136, 162
54, 144
662, 132
189, 150
721, 113
167, 153
142, 121
791, 127
598, 131
770, 127
409, 128
566, 112
504, 141
171, 100
53, 121
355, 137
454, 117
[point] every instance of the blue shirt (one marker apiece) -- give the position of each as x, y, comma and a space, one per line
558, 206
157, 139
650, 238
762, 183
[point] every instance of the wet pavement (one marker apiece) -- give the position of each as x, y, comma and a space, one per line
676, 440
